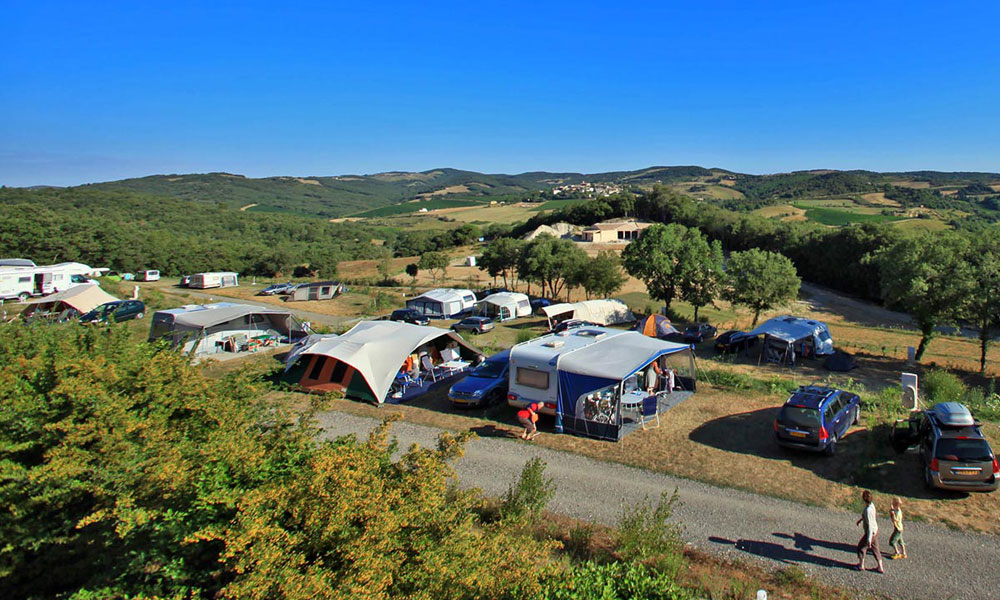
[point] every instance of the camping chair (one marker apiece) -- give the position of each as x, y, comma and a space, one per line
427, 366
650, 411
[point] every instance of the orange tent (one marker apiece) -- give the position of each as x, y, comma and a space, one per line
656, 326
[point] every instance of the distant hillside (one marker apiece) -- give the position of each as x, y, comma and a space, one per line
353, 194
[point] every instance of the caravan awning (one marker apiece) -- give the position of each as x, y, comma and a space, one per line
617, 357
787, 329
377, 349
602, 312
223, 313
84, 298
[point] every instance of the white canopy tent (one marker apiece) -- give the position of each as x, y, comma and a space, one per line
443, 302
504, 306
375, 350
603, 312
199, 327
786, 336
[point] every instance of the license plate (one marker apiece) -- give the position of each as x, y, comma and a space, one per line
798, 434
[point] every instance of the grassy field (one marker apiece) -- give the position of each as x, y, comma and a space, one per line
837, 217
414, 206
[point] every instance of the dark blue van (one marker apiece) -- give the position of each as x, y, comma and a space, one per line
484, 385
814, 418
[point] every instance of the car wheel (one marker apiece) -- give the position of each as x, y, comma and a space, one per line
23, 296
857, 416
928, 481
831, 448
140, 315
496, 396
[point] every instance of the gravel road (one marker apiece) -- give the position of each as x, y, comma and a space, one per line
736, 524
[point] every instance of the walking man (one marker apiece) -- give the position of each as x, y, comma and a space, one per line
869, 541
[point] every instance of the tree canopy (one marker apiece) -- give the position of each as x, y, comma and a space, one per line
654, 259
760, 280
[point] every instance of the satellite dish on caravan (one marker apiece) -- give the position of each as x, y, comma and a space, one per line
911, 395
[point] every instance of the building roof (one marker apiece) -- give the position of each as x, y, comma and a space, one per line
618, 225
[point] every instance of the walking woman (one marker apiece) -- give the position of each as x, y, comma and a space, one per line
869, 541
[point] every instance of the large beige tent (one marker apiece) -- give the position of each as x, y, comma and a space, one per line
66, 304
363, 362
602, 312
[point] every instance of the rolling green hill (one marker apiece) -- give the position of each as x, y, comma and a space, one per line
380, 193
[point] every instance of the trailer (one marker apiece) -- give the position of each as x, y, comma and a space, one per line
23, 282
219, 279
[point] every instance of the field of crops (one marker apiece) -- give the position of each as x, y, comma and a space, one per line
837, 217
412, 207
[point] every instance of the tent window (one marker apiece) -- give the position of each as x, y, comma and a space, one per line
824, 335
469, 299
339, 371
325, 291
533, 378
318, 363
253, 319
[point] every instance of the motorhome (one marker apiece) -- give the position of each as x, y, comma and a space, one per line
23, 282
214, 280
148, 275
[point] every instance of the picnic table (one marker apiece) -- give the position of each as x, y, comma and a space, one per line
454, 366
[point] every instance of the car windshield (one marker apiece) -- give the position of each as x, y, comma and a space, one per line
491, 369
798, 416
963, 450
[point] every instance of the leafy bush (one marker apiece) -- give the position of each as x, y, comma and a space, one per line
581, 536
530, 495
525, 335
615, 581
941, 386
645, 534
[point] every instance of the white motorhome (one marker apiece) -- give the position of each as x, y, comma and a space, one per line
148, 275
214, 280
23, 282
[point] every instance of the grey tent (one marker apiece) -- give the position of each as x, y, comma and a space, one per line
199, 328
841, 362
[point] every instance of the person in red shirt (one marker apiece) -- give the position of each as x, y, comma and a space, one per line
528, 416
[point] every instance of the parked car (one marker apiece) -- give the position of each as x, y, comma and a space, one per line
735, 341
185, 281
814, 418
953, 450
474, 325
277, 288
489, 292
572, 324
117, 311
409, 315
485, 385
699, 332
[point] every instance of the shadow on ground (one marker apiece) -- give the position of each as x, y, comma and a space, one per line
864, 457
794, 555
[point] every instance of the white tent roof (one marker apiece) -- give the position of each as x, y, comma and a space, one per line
789, 329
377, 349
84, 298
602, 312
617, 356
507, 299
209, 315
444, 295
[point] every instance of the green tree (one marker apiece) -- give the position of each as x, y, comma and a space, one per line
654, 259
926, 276
701, 270
412, 270
982, 305
500, 258
548, 261
435, 262
760, 280
603, 276
384, 265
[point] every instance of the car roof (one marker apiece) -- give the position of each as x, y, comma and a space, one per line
811, 396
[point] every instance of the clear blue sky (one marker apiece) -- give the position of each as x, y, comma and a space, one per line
99, 91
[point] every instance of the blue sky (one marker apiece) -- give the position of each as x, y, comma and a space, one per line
100, 91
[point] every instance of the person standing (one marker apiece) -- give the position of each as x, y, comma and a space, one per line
896, 539
528, 416
869, 541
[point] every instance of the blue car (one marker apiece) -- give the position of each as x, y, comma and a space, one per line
814, 418
484, 385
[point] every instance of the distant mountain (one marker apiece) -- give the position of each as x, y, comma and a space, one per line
326, 196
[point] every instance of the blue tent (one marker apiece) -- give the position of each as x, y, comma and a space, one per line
786, 337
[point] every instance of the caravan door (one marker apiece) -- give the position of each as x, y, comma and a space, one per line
43, 284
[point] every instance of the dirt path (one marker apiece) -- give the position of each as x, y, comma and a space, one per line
248, 207
733, 523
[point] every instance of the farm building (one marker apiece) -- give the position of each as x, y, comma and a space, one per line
67, 304
320, 290
381, 361
214, 280
602, 312
443, 303
788, 337
657, 326
601, 382
504, 306
615, 231
209, 328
